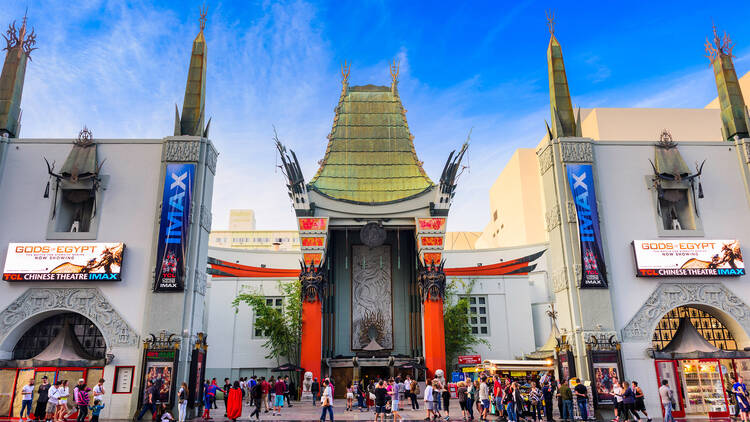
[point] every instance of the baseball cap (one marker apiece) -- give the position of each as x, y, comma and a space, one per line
81, 380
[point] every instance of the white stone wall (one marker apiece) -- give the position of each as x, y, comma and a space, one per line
127, 214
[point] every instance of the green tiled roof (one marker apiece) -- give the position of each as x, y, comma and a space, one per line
370, 156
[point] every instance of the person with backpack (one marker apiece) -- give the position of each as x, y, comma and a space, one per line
414, 394
256, 396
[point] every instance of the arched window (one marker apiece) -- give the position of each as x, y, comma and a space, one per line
707, 325
38, 337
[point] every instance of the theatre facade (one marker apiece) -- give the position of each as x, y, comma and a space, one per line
103, 247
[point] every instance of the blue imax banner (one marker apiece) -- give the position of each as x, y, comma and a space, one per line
173, 228
581, 180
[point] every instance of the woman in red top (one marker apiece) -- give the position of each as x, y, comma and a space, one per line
234, 402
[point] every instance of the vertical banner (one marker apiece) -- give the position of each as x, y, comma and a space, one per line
581, 180
174, 227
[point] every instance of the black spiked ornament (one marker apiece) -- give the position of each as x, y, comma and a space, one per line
46, 191
700, 190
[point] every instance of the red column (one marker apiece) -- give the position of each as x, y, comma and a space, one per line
312, 337
434, 336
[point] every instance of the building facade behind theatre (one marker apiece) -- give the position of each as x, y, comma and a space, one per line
103, 244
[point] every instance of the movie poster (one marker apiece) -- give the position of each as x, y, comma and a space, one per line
606, 377
174, 227
160, 373
688, 258
581, 180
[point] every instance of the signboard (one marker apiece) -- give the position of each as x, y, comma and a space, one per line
173, 228
63, 261
123, 379
430, 225
581, 180
688, 258
469, 360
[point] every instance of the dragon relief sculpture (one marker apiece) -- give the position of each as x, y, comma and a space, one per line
313, 279
431, 280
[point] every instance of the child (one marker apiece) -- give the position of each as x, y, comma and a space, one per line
165, 415
95, 410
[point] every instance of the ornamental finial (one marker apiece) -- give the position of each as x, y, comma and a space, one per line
550, 21
718, 46
203, 12
345, 69
394, 71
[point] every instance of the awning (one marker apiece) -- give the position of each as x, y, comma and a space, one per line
288, 367
688, 343
64, 351
412, 365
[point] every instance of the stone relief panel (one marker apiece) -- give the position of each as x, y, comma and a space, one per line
206, 218
552, 218
577, 152
571, 211
200, 282
372, 300
88, 301
545, 160
559, 280
211, 157
180, 150
671, 295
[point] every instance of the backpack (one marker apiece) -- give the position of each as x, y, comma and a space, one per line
415, 388
256, 392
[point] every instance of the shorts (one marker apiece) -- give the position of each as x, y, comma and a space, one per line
349, 395
379, 409
462, 404
51, 407
486, 404
640, 405
394, 404
430, 405
279, 402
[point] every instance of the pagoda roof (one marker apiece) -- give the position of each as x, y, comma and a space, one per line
370, 158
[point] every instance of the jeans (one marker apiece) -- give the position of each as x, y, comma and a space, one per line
499, 406
583, 409
256, 412
668, 413
414, 402
147, 407
510, 409
538, 409
567, 413
26, 404
314, 397
83, 411
182, 408
323, 413
470, 407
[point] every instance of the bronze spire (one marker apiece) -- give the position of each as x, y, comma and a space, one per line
561, 108
19, 45
733, 110
193, 107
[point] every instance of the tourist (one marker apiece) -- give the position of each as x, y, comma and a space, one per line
292, 390
98, 390
395, 398
165, 415
315, 390
566, 397
53, 397
617, 392
62, 403
234, 401
96, 409
279, 389
265, 389
407, 390
428, 400
326, 401
381, 394
548, 392
535, 399
639, 405
27, 396
582, 400
349, 396
743, 401
470, 396
414, 394
225, 390
256, 396
40, 412
497, 395
182, 399
437, 389
463, 397
446, 401
518, 401
82, 400
510, 406
628, 403
667, 400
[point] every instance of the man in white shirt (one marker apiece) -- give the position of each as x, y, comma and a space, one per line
27, 393
53, 397
98, 391
428, 400
667, 400
619, 407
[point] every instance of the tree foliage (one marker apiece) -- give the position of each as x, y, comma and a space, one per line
459, 339
282, 329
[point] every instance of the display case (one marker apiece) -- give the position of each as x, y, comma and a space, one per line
703, 387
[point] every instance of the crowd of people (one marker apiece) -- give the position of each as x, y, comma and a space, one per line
54, 402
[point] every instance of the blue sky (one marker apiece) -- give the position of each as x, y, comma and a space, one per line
119, 68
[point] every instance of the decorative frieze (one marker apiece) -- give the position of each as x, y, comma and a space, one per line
571, 211
671, 295
577, 152
577, 272
177, 150
552, 218
559, 279
545, 159
87, 301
